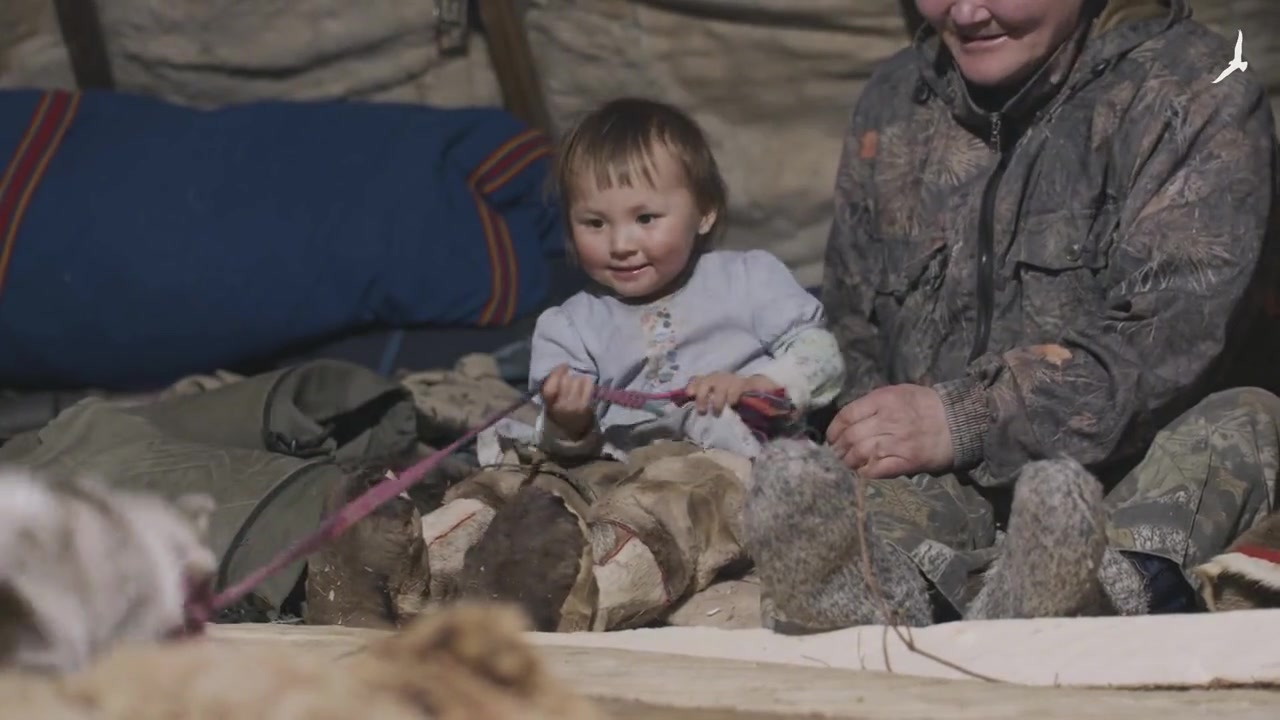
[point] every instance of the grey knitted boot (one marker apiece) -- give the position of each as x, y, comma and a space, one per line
1053, 550
1124, 584
801, 528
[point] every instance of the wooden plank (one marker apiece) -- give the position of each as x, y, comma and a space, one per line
693, 683
1197, 650
637, 685
81, 28
513, 62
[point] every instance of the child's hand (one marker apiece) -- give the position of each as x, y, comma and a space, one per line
569, 402
720, 390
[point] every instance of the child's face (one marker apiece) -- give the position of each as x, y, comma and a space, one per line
637, 240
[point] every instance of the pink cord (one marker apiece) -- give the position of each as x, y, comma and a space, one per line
200, 611
202, 607
637, 399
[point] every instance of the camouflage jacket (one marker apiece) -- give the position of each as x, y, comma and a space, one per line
1073, 271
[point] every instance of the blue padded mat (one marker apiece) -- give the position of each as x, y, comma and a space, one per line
140, 240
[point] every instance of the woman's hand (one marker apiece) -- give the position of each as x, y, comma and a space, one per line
720, 390
570, 401
894, 430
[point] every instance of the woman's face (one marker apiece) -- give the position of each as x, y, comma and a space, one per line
1001, 42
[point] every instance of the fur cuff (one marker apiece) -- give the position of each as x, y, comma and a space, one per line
1242, 565
787, 373
553, 440
965, 404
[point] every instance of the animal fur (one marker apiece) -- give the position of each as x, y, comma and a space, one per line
1052, 551
84, 566
801, 528
1247, 575
467, 662
534, 553
375, 574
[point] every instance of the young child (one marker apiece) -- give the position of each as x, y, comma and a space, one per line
644, 199
664, 311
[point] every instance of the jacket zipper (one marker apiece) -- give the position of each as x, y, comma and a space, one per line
986, 246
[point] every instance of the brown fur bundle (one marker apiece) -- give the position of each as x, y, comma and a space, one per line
465, 663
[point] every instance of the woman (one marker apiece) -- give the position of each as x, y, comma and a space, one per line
1052, 229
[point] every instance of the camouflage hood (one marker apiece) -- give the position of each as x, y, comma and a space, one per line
1072, 270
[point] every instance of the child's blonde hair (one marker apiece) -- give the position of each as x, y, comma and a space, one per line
614, 144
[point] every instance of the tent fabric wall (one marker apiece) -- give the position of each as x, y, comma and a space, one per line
773, 80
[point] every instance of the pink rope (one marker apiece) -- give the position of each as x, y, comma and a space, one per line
202, 607
200, 611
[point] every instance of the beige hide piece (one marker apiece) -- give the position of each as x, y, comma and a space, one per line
772, 80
